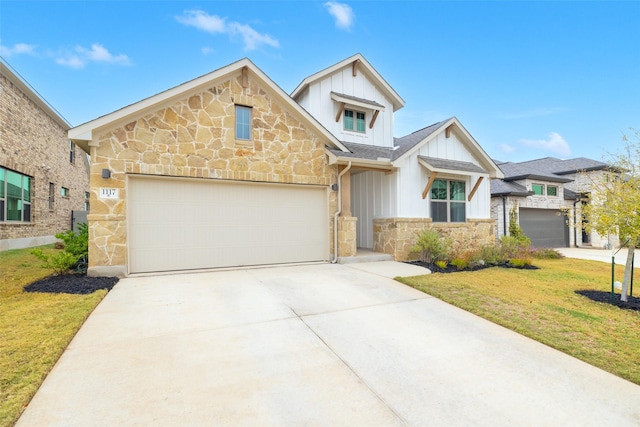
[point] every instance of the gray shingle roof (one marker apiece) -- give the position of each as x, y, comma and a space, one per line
504, 188
564, 167
455, 165
355, 98
517, 171
407, 142
363, 151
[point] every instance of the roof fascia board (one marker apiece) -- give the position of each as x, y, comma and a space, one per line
430, 168
470, 142
534, 177
88, 131
365, 66
383, 164
349, 101
25, 87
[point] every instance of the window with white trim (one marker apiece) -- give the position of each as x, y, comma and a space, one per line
243, 122
354, 121
448, 201
15, 196
542, 189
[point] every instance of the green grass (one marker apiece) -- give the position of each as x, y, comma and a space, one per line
35, 328
542, 304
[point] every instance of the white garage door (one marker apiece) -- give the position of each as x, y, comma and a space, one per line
185, 224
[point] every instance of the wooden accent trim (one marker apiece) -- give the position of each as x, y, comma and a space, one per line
354, 67
447, 131
245, 77
475, 188
340, 110
429, 184
373, 119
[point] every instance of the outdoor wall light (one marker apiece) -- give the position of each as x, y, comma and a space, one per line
106, 173
334, 187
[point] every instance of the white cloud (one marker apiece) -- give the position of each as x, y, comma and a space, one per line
555, 143
207, 50
507, 149
17, 49
214, 24
203, 21
342, 13
81, 56
251, 38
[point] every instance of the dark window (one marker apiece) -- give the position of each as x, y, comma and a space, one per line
448, 201
52, 195
552, 190
538, 189
15, 196
72, 151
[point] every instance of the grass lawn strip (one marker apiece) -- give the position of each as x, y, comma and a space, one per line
543, 305
35, 329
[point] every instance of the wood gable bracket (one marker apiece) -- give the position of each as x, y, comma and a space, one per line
429, 184
354, 67
373, 119
340, 110
245, 77
447, 131
475, 188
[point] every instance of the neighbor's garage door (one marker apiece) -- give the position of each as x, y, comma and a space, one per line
547, 228
183, 224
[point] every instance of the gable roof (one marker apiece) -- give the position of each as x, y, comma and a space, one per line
410, 143
365, 67
84, 134
15, 78
518, 171
565, 167
442, 165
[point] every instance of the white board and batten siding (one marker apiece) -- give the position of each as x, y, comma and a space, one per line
373, 195
413, 177
186, 224
317, 101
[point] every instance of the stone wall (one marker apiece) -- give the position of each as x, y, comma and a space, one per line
195, 137
347, 226
34, 144
396, 236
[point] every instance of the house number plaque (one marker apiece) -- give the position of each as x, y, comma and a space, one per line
109, 193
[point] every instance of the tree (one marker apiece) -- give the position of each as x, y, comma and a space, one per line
614, 203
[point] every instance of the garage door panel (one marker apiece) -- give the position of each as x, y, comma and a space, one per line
547, 228
190, 224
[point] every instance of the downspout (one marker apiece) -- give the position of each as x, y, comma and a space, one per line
338, 212
504, 216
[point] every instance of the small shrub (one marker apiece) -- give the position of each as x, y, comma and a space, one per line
431, 246
510, 246
547, 253
520, 262
459, 263
491, 255
76, 250
442, 264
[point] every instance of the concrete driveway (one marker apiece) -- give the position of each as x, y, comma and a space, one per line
312, 345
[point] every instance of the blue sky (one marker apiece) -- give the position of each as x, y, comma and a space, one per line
527, 79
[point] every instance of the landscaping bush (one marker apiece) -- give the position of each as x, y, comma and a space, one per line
547, 253
511, 246
431, 246
491, 255
74, 255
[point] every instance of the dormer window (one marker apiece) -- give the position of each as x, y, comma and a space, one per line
354, 121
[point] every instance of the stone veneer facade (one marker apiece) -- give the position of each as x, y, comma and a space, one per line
35, 144
396, 236
195, 137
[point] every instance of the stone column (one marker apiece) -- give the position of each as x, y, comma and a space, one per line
345, 188
347, 245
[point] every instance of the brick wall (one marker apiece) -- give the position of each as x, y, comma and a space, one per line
34, 144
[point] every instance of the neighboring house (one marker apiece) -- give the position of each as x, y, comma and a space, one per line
43, 177
229, 170
548, 194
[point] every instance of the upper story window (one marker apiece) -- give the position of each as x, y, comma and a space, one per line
15, 196
64, 191
243, 122
354, 121
448, 201
72, 151
541, 190
86, 200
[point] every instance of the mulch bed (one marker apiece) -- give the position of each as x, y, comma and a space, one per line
453, 269
633, 303
79, 284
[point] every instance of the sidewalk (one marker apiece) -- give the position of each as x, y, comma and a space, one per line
603, 255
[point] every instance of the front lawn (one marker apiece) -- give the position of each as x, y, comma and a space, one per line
543, 304
35, 329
